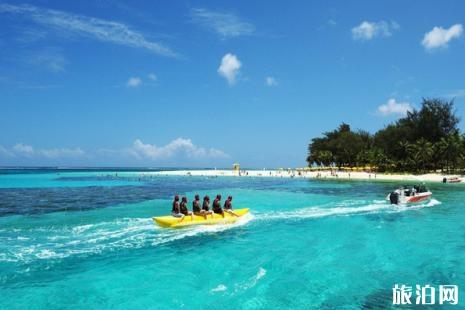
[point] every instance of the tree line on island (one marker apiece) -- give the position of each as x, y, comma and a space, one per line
424, 140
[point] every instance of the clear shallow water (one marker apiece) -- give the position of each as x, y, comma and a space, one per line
86, 240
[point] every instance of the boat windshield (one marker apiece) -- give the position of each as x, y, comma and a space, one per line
410, 190
420, 188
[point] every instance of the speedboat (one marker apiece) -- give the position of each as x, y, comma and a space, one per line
452, 180
406, 194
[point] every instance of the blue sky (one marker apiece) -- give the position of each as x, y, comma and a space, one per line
208, 83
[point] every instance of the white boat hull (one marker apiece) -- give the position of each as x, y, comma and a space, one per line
417, 197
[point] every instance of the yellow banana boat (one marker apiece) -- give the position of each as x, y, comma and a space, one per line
174, 222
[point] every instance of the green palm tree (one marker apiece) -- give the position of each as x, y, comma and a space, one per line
406, 155
423, 153
450, 150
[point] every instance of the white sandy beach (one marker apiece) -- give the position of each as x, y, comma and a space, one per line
431, 177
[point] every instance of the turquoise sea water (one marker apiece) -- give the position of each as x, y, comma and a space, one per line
85, 240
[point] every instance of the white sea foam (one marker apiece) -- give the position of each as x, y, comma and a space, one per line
315, 212
81, 228
342, 209
46, 254
260, 274
103, 236
219, 288
404, 207
252, 281
62, 242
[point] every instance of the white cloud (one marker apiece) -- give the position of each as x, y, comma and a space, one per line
21, 149
331, 22
271, 81
456, 93
392, 107
178, 150
370, 30
152, 77
61, 152
31, 35
5, 152
229, 68
224, 24
49, 58
90, 27
134, 82
440, 37
177, 147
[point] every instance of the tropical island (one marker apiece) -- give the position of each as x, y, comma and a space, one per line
424, 145
424, 141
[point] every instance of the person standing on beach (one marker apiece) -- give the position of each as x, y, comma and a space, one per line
217, 205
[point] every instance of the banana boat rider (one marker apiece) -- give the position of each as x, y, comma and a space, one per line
206, 204
217, 205
176, 210
183, 208
228, 206
198, 210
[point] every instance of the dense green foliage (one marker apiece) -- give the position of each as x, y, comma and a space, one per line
424, 140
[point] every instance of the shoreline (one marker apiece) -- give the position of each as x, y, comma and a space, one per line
334, 175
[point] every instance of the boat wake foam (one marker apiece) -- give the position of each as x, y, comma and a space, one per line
345, 208
219, 288
252, 281
46, 243
58, 243
242, 286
